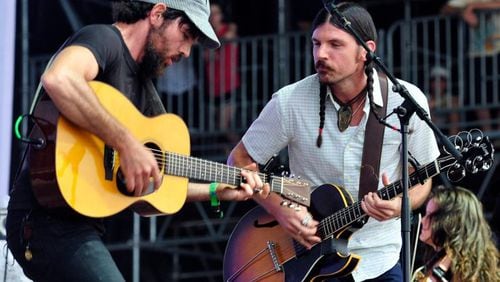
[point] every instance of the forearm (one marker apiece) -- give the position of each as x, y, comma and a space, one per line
239, 157
198, 192
485, 5
68, 88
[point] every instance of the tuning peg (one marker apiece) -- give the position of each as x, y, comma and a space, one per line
470, 166
456, 173
487, 164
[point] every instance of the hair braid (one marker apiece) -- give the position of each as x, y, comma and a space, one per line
322, 106
369, 88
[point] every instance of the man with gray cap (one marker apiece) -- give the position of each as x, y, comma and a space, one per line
147, 36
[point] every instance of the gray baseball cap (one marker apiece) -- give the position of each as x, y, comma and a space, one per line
198, 11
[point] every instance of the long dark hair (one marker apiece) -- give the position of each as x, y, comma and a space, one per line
361, 22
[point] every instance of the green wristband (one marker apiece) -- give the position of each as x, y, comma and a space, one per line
214, 201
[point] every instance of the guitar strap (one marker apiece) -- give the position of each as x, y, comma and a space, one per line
372, 149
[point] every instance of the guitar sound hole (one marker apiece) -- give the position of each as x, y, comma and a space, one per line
121, 184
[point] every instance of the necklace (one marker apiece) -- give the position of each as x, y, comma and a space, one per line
345, 113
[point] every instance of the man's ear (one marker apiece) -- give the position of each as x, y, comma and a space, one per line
156, 14
372, 45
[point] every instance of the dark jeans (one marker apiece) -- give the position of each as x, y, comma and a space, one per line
395, 274
64, 249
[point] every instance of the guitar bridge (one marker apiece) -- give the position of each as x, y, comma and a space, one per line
108, 162
271, 246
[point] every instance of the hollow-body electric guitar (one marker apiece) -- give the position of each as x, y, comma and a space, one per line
75, 168
260, 250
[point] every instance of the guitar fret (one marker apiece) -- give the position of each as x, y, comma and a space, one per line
215, 173
394, 192
227, 175
328, 226
221, 174
204, 172
179, 165
346, 216
199, 169
337, 225
383, 194
360, 212
233, 175
331, 226
183, 162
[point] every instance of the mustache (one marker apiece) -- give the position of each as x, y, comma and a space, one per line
322, 64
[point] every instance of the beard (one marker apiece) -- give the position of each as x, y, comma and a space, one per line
152, 64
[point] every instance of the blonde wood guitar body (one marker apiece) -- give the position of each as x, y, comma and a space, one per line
75, 168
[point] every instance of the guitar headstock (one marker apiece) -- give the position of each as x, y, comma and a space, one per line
477, 152
294, 189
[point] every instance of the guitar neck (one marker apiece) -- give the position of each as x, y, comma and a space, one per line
351, 214
199, 169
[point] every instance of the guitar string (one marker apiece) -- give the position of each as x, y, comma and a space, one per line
182, 158
337, 218
196, 169
353, 212
352, 208
222, 170
334, 219
219, 171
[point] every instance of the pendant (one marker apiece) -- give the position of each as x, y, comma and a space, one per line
344, 115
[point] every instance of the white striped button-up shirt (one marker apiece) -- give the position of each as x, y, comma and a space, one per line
291, 119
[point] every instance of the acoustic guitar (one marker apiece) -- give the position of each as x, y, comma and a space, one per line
260, 250
75, 168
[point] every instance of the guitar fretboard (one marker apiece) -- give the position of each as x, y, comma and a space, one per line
349, 215
199, 169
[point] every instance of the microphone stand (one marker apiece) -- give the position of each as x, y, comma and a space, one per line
404, 112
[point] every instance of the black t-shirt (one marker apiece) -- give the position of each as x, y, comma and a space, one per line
117, 68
